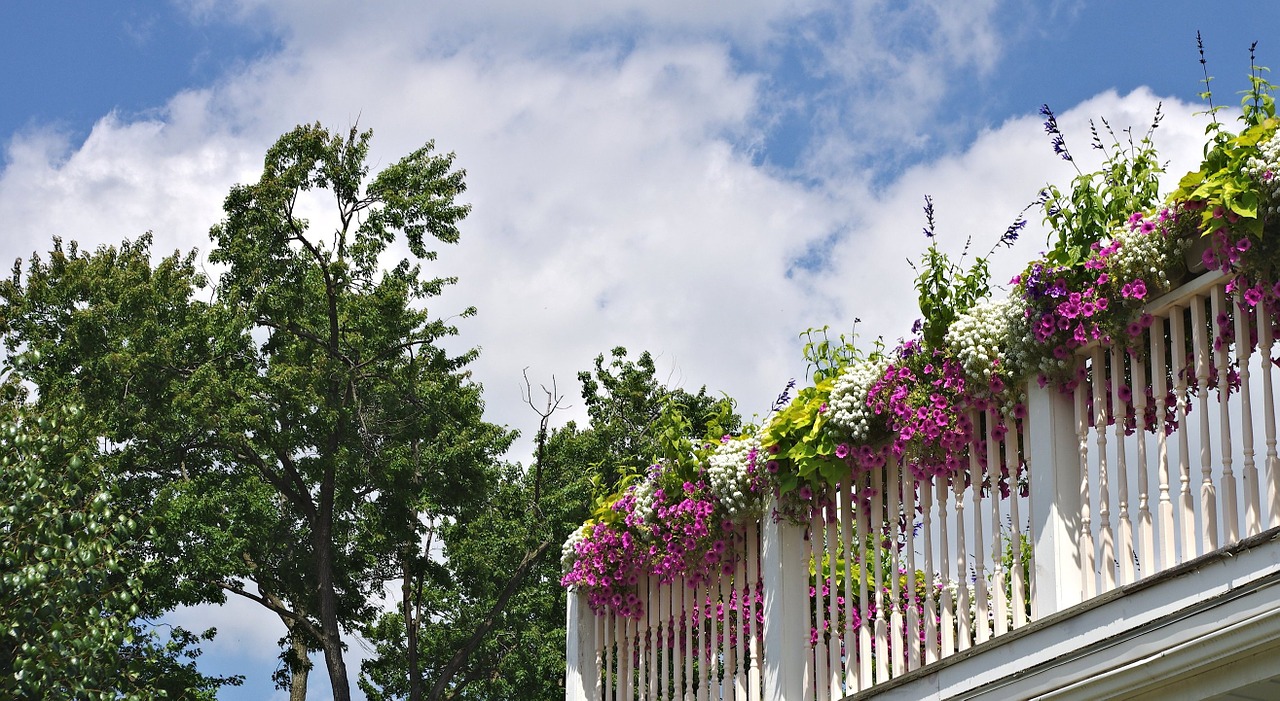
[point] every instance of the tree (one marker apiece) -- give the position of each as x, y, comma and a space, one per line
71, 590
293, 436
489, 624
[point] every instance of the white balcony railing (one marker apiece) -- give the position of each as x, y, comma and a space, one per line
1157, 456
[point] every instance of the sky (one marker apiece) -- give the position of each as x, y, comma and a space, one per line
701, 180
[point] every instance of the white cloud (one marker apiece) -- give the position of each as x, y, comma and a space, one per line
978, 193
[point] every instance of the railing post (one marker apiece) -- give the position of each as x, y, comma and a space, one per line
1059, 576
786, 608
581, 648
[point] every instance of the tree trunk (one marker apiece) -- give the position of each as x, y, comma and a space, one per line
411, 635
331, 640
301, 666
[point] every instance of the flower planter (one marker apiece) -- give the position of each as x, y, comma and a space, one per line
1194, 255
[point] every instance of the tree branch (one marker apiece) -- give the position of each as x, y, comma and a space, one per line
460, 657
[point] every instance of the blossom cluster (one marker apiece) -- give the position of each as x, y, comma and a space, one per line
734, 474
1264, 168
921, 395
849, 410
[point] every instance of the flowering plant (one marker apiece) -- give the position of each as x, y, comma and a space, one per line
937, 396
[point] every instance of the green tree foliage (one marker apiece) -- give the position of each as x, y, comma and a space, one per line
71, 585
486, 620
293, 436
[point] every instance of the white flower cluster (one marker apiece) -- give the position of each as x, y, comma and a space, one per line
644, 493
848, 401
727, 472
569, 551
1265, 169
1145, 256
981, 336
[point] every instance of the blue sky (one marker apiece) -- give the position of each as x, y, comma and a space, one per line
704, 181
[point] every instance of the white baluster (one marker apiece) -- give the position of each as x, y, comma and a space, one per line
847, 514
642, 639
931, 611
1230, 493
702, 643
897, 651
981, 619
1244, 353
1181, 376
602, 665
866, 558
1208, 494
882, 651
948, 621
999, 575
1018, 583
753, 625
813, 565
720, 627
1146, 540
1101, 417
818, 604
1125, 554
964, 613
689, 596
913, 593
662, 656
833, 595
740, 649
1160, 392
1266, 339
1086, 525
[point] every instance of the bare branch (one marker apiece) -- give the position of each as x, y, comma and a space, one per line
553, 404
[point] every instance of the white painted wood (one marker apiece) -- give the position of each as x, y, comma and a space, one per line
999, 575
851, 606
1018, 585
1208, 493
930, 575
582, 648
725, 653
642, 640
834, 671
1159, 389
865, 632
611, 681
1244, 352
786, 619
897, 650
1059, 575
739, 645
881, 629
689, 596
1230, 491
948, 620
1145, 535
981, 618
754, 639
815, 674
626, 656
1125, 543
1089, 571
1100, 384
679, 628
964, 602
911, 488
1266, 342
1185, 508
